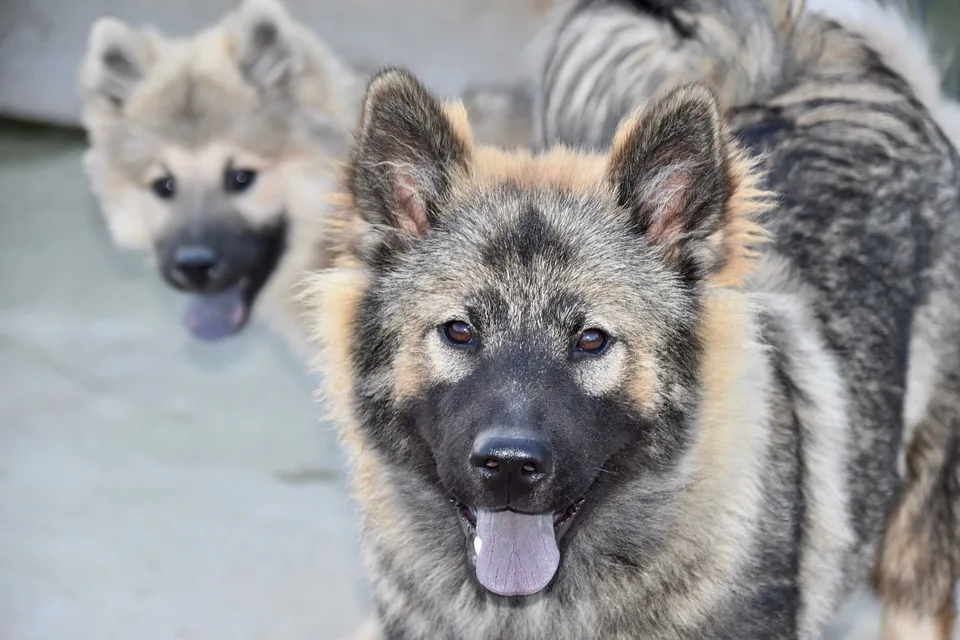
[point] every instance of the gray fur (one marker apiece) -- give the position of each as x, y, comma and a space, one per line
844, 139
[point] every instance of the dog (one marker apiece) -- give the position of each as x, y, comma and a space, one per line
702, 383
215, 154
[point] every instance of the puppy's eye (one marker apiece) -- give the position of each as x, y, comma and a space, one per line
458, 333
238, 180
165, 187
591, 342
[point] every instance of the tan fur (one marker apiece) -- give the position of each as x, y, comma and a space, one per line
332, 297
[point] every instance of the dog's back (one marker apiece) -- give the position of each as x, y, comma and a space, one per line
865, 254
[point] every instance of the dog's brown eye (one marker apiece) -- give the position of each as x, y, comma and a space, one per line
592, 341
165, 187
458, 333
237, 180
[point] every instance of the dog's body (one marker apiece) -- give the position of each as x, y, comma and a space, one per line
588, 342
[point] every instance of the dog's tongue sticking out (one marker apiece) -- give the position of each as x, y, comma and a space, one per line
217, 315
517, 554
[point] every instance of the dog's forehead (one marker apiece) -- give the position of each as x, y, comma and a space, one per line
195, 97
545, 231
197, 111
543, 255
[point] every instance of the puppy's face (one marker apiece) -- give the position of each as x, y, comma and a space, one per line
199, 146
529, 334
222, 230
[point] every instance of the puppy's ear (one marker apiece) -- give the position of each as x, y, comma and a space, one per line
669, 169
118, 57
407, 154
266, 51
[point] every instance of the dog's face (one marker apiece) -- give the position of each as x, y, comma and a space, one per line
194, 149
221, 232
529, 332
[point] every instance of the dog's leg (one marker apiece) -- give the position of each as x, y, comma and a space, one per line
919, 560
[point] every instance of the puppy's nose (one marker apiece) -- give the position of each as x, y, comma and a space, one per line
510, 467
195, 266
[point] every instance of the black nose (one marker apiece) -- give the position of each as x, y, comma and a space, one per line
195, 266
511, 467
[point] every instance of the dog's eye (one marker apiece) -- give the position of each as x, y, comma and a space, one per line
165, 187
458, 333
237, 180
591, 342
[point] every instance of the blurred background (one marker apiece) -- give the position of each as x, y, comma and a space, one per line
153, 487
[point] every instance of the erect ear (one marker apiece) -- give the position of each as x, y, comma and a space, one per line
266, 52
406, 154
669, 167
118, 57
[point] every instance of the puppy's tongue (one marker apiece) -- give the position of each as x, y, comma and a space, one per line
216, 315
517, 554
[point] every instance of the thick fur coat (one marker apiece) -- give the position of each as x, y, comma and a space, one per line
744, 422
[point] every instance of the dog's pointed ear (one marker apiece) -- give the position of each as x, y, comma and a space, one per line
266, 50
118, 57
669, 169
406, 154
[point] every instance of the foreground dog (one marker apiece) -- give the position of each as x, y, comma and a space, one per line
586, 401
215, 153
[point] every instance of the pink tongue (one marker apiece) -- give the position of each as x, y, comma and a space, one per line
218, 315
518, 553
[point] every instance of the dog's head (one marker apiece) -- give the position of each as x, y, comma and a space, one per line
526, 331
199, 147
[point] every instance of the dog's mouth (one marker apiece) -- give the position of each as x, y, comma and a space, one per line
515, 554
213, 316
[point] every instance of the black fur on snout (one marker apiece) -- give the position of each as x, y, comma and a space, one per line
210, 255
504, 439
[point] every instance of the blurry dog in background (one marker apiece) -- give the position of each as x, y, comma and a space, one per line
216, 152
